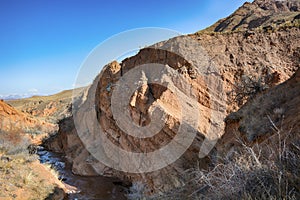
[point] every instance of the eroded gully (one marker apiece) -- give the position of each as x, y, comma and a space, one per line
80, 187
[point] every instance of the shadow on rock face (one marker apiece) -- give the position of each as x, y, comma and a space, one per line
58, 194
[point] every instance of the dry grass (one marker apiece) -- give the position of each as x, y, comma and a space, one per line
249, 173
20, 174
52, 170
19, 179
13, 142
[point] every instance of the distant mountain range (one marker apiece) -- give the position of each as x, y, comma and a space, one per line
8, 97
15, 96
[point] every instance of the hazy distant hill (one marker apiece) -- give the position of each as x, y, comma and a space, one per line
51, 108
14, 96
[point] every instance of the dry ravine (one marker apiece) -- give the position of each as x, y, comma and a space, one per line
248, 102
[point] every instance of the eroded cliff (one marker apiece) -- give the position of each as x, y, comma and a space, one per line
225, 58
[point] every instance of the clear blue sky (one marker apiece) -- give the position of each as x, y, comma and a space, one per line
44, 42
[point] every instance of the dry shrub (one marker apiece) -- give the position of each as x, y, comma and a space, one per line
247, 174
13, 142
249, 86
18, 175
17, 172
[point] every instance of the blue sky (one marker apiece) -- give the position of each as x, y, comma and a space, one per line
44, 42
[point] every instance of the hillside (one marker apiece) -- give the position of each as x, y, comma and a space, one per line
258, 156
275, 110
22, 175
14, 120
231, 92
50, 108
269, 57
261, 14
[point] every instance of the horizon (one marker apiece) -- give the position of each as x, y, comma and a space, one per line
44, 43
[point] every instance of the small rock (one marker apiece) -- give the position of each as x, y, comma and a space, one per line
5, 158
32, 149
58, 194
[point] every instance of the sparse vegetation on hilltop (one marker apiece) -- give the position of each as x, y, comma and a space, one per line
259, 15
50, 108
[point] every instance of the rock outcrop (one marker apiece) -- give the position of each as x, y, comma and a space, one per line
225, 58
261, 14
99, 101
279, 6
260, 54
270, 118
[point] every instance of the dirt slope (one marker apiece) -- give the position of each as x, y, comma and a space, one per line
260, 119
12, 119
